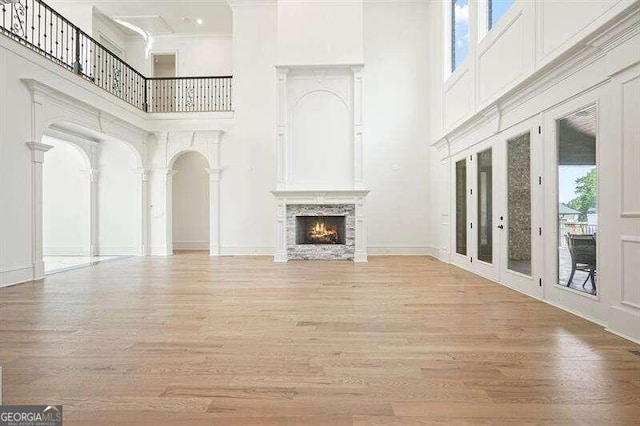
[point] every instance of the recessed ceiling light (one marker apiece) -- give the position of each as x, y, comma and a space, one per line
199, 21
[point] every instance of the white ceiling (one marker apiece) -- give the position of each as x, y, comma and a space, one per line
180, 16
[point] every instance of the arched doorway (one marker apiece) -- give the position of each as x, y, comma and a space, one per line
190, 216
66, 231
119, 215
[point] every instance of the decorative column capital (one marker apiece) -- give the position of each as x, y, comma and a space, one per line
283, 71
165, 174
144, 174
215, 175
92, 173
357, 70
38, 150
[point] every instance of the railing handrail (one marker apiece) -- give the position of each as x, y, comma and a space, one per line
189, 78
78, 29
103, 67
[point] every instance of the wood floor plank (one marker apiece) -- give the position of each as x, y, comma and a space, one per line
192, 339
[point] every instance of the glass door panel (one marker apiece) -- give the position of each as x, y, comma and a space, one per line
461, 207
485, 206
577, 220
519, 204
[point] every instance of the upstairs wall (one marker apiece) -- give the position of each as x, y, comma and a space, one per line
196, 56
311, 33
524, 77
526, 40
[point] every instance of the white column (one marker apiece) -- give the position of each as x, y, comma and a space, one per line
361, 232
168, 180
37, 159
281, 233
214, 211
281, 146
93, 175
215, 176
144, 211
358, 174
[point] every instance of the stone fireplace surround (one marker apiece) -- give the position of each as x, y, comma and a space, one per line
321, 203
320, 157
297, 251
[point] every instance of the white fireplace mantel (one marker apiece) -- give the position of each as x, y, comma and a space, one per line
323, 100
320, 197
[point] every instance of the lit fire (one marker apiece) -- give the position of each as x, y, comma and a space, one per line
322, 234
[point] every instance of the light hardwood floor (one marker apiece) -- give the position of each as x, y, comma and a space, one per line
243, 341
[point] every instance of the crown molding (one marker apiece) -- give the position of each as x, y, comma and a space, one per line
581, 56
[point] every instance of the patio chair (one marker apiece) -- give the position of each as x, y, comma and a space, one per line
583, 257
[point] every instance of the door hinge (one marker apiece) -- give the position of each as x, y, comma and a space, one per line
539, 180
471, 158
471, 259
471, 224
471, 191
540, 231
539, 130
540, 282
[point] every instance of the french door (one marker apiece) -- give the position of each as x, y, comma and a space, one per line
518, 213
498, 207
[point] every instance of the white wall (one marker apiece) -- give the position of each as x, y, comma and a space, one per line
587, 63
248, 149
119, 201
526, 39
190, 202
66, 201
80, 15
320, 33
197, 56
104, 29
320, 134
396, 146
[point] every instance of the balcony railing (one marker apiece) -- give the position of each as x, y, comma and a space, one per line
38, 27
189, 94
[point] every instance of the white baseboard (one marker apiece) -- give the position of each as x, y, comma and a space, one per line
191, 245
118, 251
158, 251
622, 328
623, 321
65, 251
401, 251
246, 251
16, 275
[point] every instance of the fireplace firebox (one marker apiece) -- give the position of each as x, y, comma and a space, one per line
320, 230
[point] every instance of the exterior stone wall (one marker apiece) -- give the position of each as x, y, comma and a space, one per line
321, 251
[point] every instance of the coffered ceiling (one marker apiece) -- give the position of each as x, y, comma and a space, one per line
185, 17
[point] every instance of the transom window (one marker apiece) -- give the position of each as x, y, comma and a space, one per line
497, 8
459, 32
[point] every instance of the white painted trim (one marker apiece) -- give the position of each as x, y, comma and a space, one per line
118, 251
65, 251
246, 251
159, 251
549, 302
16, 275
152, 64
401, 251
191, 245
624, 336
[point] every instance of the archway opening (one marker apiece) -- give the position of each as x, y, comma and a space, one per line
119, 213
190, 203
66, 208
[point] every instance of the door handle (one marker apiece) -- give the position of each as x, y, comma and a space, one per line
500, 226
